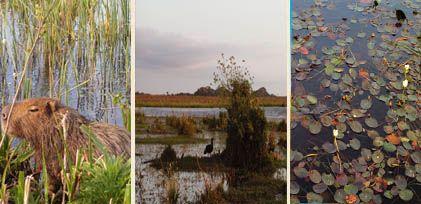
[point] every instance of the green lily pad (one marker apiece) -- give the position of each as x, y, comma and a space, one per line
366, 104
320, 188
315, 127
355, 126
300, 172
328, 179
312, 99
355, 144
406, 194
416, 157
314, 198
371, 122
377, 156
388, 147
315, 176
351, 189
294, 188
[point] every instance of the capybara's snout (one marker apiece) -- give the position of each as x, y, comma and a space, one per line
4, 116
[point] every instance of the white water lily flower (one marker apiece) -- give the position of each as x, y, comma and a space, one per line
405, 83
335, 132
406, 68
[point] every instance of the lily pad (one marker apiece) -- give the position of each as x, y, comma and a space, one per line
315, 127
300, 172
406, 194
315, 176
366, 104
351, 189
294, 188
355, 144
377, 156
312, 99
328, 179
371, 122
320, 188
355, 126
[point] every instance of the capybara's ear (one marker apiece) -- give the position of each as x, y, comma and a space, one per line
52, 106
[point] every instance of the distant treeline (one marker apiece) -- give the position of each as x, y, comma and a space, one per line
209, 91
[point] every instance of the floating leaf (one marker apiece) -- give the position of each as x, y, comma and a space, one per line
300, 172
377, 156
402, 125
315, 127
315, 176
312, 99
389, 147
320, 188
339, 196
328, 179
416, 157
314, 198
393, 139
355, 126
401, 182
294, 188
351, 189
366, 195
371, 122
355, 144
366, 104
406, 194
326, 120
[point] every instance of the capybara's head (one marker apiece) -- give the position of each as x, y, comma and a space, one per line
30, 116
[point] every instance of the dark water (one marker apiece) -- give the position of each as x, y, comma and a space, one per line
336, 13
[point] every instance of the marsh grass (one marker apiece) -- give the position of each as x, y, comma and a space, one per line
198, 101
75, 51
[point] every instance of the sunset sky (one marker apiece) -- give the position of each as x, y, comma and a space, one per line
179, 42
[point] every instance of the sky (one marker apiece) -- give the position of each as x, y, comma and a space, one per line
178, 42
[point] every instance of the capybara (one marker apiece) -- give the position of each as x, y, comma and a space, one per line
40, 121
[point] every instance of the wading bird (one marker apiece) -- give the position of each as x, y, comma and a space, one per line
209, 148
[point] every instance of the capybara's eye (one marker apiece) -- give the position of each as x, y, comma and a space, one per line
33, 109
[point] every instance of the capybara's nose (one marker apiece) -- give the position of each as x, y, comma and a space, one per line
4, 113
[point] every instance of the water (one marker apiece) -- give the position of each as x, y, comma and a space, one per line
336, 16
150, 182
150, 186
271, 113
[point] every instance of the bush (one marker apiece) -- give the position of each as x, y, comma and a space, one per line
105, 181
168, 155
157, 127
246, 146
184, 125
247, 142
216, 123
282, 126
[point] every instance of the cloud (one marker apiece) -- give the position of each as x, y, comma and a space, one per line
158, 51
176, 63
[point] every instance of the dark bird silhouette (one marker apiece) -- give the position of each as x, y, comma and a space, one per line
400, 15
375, 4
209, 148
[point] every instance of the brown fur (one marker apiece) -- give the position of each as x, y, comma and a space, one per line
39, 121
